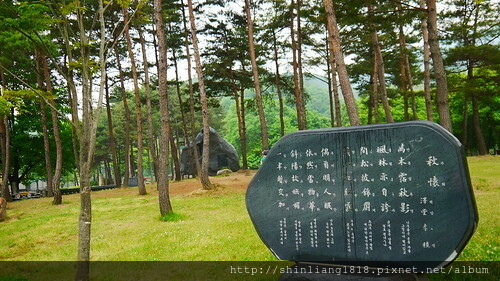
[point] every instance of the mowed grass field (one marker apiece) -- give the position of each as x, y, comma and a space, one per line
127, 227
212, 226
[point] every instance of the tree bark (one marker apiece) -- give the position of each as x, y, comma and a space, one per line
439, 71
375, 92
85, 219
90, 118
138, 106
126, 145
335, 46
277, 83
175, 154
299, 63
481, 144
68, 73
112, 142
402, 73
149, 110
175, 158
405, 69
427, 68
240, 111
335, 111
162, 176
255, 72
195, 155
297, 89
5, 146
56, 178
379, 63
183, 117
205, 181
45, 130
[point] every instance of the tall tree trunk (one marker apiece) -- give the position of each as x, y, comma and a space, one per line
162, 176
133, 166
329, 76
243, 132
175, 158
126, 145
56, 179
5, 146
46, 145
87, 139
379, 62
149, 110
402, 71
333, 87
109, 176
205, 181
375, 92
481, 144
410, 88
427, 68
195, 155
74, 120
277, 83
439, 71
138, 106
465, 121
256, 81
45, 130
402, 64
185, 132
241, 121
299, 95
345, 85
112, 142
299, 62
68, 73
405, 69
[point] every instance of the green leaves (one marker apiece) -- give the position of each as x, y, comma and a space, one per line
15, 99
28, 16
72, 7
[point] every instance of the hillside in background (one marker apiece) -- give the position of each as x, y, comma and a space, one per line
317, 97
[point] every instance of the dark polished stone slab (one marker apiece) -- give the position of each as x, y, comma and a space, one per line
388, 194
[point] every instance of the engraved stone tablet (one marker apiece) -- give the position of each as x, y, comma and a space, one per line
389, 194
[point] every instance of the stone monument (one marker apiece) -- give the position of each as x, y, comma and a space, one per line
223, 155
388, 195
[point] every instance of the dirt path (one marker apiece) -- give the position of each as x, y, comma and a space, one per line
237, 181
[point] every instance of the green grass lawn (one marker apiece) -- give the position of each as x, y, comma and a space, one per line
127, 227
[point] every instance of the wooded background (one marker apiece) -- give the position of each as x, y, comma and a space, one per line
262, 69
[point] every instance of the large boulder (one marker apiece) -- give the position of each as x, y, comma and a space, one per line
223, 155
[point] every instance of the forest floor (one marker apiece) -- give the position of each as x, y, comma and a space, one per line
237, 181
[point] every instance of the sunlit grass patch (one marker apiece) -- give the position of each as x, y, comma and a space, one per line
205, 226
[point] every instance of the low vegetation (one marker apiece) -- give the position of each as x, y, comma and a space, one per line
211, 226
